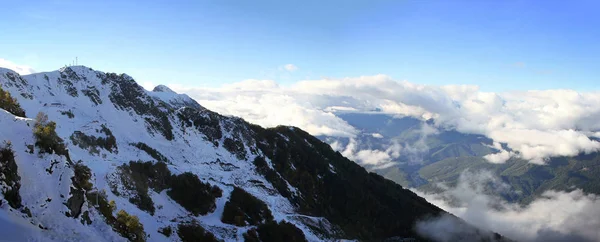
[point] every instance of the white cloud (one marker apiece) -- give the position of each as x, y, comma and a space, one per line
499, 157
554, 216
340, 109
377, 159
416, 151
290, 67
377, 135
265, 103
21, 69
535, 125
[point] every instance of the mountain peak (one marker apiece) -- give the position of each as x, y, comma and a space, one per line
163, 88
75, 68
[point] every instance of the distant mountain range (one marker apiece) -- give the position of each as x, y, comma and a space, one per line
428, 155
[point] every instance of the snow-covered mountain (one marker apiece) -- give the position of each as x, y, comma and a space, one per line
177, 171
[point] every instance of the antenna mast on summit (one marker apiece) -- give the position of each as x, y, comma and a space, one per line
76, 60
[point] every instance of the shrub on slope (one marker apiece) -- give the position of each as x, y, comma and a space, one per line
10, 104
193, 232
9, 176
194, 195
186, 189
45, 136
273, 232
244, 209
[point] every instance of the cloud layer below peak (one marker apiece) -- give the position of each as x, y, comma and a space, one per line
554, 216
534, 124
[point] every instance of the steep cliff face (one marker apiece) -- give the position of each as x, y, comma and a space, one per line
157, 166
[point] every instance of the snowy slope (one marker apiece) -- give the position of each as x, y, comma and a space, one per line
44, 190
86, 94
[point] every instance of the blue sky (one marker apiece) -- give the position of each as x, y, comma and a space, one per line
498, 45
